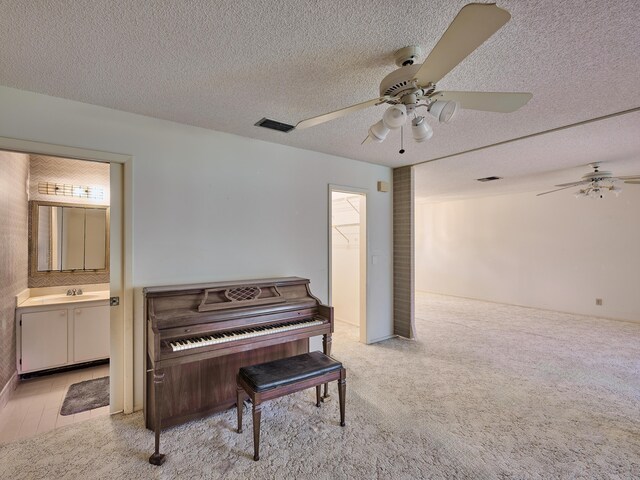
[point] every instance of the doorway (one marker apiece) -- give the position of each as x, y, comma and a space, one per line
62, 317
120, 391
348, 261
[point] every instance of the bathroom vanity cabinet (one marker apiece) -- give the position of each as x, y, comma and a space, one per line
51, 336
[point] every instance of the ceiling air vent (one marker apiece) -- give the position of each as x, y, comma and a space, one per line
273, 125
488, 179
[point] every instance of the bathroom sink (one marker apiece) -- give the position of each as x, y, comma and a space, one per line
61, 298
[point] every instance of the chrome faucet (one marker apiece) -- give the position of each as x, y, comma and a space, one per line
73, 292
70, 292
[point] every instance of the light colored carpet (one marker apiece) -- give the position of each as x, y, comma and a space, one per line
488, 391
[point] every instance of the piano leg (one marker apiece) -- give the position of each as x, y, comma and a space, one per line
257, 411
158, 381
326, 347
318, 395
342, 387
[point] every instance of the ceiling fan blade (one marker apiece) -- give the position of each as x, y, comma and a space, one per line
633, 182
556, 190
629, 177
473, 25
574, 184
313, 121
503, 102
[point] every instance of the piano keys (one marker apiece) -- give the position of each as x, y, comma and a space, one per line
234, 335
199, 336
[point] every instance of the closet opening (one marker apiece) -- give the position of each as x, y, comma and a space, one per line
348, 261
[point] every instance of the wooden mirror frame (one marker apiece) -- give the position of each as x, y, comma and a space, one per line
63, 277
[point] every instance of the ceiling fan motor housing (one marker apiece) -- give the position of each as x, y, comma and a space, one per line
596, 176
399, 80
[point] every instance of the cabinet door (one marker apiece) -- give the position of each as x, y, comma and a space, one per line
43, 340
90, 333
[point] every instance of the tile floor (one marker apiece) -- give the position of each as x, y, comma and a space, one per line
34, 407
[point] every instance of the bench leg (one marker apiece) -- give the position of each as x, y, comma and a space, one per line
342, 387
318, 394
257, 410
239, 406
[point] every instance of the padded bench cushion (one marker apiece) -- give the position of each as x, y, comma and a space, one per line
288, 370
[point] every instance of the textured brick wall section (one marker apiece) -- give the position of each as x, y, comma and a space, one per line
68, 171
403, 253
14, 218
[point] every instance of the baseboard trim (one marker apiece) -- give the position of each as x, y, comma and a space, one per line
347, 322
591, 315
8, 389
381, 339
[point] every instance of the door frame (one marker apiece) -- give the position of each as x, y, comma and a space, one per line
121, 371
364, 252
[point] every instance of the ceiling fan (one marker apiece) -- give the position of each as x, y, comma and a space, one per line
413, 85
595, 184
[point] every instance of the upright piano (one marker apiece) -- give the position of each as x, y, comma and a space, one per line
198, 337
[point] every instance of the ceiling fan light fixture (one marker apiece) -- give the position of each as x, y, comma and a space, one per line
378, 131
421, 130
596, 192
395, 116
443, 111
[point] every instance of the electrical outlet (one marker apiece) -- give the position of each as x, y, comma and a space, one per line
599, 301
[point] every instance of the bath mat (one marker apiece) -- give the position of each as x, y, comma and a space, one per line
85, 396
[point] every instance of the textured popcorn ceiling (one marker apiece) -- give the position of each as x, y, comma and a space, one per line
225, 65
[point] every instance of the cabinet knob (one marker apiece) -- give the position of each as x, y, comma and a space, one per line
63, 313
78, 312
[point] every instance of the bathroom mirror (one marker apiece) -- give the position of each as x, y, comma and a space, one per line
68, 238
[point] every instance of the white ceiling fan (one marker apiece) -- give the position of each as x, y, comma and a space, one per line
413, 85
595, 184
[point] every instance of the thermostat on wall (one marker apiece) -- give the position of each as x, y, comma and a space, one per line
383, 186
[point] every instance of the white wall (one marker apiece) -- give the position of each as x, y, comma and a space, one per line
213, 206
553, 252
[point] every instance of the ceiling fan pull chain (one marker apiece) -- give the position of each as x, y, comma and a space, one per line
401, 140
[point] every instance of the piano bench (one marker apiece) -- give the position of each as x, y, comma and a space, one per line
284, 376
